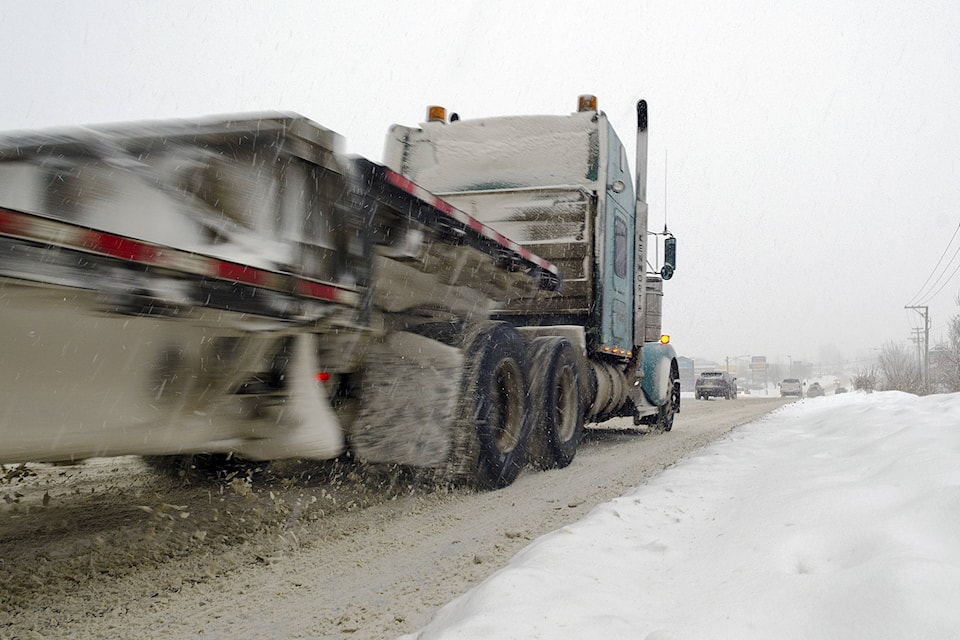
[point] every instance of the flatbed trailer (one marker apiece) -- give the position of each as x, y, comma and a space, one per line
238, 287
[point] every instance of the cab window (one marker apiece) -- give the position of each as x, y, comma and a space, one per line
620, 247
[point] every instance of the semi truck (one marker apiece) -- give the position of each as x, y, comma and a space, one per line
240, 288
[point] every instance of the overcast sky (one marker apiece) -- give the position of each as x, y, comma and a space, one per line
806, 158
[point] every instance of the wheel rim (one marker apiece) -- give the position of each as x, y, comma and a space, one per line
507, 413
566, 406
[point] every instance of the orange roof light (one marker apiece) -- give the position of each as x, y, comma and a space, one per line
664, 339
586, 102
436, 114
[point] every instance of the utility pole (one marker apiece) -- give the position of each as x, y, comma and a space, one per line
925, 364
917, 340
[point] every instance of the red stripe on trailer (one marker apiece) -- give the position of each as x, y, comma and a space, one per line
31, 227
318, 290
398, 180
11, 223
118, 247
443, 205
414, 189
239, 273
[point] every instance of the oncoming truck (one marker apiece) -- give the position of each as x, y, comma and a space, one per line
240, 288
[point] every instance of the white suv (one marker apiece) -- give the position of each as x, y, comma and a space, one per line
791, 387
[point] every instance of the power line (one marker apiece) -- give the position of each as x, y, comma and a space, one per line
910, 319
945, 282
947, 248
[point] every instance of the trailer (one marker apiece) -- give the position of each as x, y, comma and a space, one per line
240, 288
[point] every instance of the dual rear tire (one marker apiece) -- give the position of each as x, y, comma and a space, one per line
556, 401
493, 414
518, 404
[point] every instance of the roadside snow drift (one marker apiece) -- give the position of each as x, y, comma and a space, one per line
837, 517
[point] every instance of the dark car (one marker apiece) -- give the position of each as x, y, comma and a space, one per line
715, 384
814, 390
840, 390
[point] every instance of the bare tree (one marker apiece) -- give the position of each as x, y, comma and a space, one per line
866, 379
898, 370
948, 357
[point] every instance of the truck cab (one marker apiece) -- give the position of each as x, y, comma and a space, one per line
561, 186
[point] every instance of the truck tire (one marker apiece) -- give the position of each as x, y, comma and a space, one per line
669, 409
556, 402
494, 406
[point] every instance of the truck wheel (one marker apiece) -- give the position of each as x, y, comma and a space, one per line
494, 401
665, 417
556, 402
669, 409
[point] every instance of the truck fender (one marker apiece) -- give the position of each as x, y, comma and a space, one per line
658, 359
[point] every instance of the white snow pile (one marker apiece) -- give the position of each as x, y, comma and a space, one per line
837, 517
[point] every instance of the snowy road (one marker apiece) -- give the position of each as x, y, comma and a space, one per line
304, 551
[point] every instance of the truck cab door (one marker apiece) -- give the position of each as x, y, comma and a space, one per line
617, 258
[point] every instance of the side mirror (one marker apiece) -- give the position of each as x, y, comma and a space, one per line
669, 258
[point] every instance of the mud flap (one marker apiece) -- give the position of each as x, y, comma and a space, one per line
409, 390
307, 426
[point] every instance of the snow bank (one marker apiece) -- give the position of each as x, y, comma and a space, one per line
832, 518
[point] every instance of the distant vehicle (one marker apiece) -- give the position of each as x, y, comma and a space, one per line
718, 384
791, 387
814, 390
839, 390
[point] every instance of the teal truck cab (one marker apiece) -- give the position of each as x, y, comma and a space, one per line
561, 187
